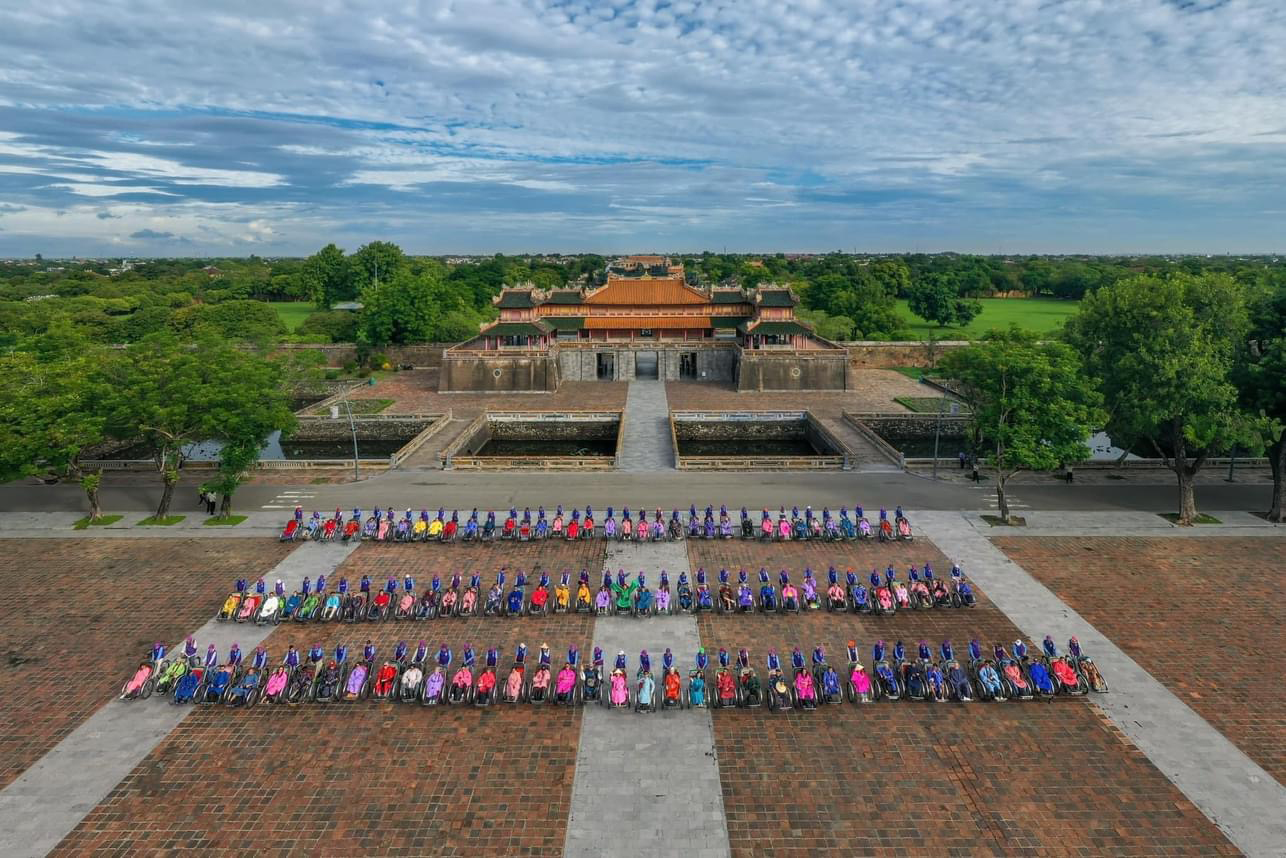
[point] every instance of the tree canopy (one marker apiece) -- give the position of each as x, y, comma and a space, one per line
1162, 351
1032, 406
170, 394
1260, 377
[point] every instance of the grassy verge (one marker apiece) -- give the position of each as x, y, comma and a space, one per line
153, 521
1042, 315
103, 521
293, 313
911, 372
1202, 518
224, 521
997, 521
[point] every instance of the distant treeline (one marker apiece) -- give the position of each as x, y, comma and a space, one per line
436, 299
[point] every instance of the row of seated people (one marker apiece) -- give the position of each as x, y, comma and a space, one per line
407, 677
382, 525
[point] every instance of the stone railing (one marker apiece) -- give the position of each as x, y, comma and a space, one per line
396, 460
454, 456
884, 448
757, 463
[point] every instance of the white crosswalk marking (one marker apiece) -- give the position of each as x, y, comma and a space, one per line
287, 500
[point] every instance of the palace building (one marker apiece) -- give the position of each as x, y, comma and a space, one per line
645, 321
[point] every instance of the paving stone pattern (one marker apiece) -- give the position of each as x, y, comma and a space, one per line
919, 780
369, 778
975, 780
48, 800
646, 444
1234, 793
1202, 616
646, 784
868, 390
78, 616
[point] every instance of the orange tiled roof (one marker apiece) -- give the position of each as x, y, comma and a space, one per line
634, 323
646, 291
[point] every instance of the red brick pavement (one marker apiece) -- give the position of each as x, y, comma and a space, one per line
925, 779
907, 779
394, 780
1204, 616
78, 614
417, 391
868, 390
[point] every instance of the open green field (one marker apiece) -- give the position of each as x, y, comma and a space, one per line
1041, 315
293, 313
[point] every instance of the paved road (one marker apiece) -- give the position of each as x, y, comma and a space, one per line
432, 488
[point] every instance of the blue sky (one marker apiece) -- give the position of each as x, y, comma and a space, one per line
154, 127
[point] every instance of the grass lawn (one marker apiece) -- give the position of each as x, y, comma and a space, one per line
1042, 315
1202, 518
360, 407
153, 521
293, 313
103, 521
224, 521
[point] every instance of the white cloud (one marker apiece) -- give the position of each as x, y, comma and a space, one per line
646, 104
87, 190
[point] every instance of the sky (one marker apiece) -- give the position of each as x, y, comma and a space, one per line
174, 128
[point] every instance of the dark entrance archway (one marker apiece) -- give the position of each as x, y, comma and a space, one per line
645, 365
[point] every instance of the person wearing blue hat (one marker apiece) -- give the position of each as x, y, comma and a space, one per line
462, 682
645, 695
486, 687
767, 593
565, 684
619, 694
697, 680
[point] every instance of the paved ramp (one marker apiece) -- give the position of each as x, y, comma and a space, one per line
1236, 794
646, 445
647, 785
48, 800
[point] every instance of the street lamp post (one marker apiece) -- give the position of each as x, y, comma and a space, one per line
352, 427
937, 435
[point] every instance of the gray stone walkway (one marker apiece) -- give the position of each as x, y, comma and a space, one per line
48, 800
1247, 803
646, 445
647, 785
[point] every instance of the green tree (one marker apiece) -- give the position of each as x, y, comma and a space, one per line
327, 276
1261, 380
892, 275
936, 298
1162, 351
172, 394
241, 321
377, 262
340, 326
53, 411
236, 458
874, 311
409, 308
1032, 407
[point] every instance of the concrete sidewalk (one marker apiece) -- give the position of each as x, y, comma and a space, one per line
47, 801
1229, 788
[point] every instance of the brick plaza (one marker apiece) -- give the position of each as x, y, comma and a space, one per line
887, 779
